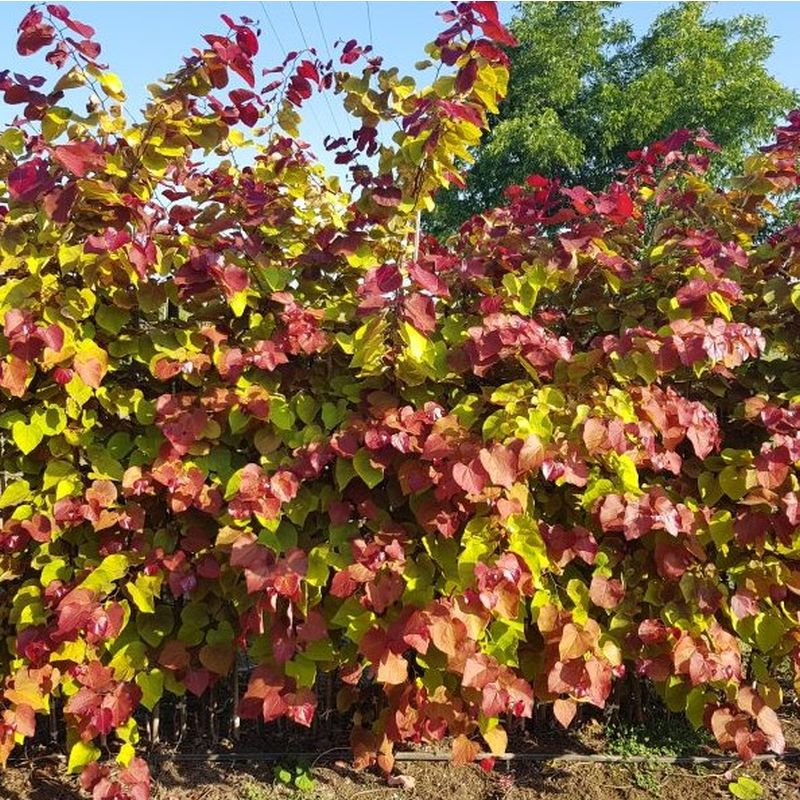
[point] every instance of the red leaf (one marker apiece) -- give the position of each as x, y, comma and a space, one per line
62, 13
420, 312
91, 369
500, 462
428, 281
58, 202
307, 70
744, 604
197, 681
34, 33
606, 593
247, 40
594, 434
79, 157
465, 78
672, 559
14, 376
29, 181
300, 706
173, 656
107, 241
387, 196
767, 720
470, 477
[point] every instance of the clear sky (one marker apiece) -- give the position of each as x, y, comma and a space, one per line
144, 40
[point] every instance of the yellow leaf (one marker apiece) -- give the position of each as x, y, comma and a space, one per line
417, 343
497, 739
112, 86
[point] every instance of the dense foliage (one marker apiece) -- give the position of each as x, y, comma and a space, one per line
585, 90
245, 412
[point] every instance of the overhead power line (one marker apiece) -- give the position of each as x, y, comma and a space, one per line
299, 26
308, 47
322, 33
369, 23
274, 29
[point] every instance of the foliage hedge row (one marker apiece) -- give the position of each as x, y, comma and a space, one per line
245, 411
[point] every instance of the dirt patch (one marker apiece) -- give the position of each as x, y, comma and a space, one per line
42, 777
433, 781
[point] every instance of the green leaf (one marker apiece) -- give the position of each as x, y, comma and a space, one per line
306, 407
302, 669
333, 414
126, 754
57, 569
733, 483
26, 436
344, 472
721, 528
368, 473
696, 706
13, 140
144, 590
745, 788
710, 490
367, 345
720, 304
222, 634
769, 631
78, 390
55, 122
128, 660
284, 775
104, 465
15, 493
280, 414
153, 628
81, 754
305, 782
238, 303
102, 578
111, 318
319, 566
526, 541
152, 686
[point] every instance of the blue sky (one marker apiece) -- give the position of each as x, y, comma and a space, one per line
143, 40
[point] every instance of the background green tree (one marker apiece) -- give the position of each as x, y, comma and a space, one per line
584, 91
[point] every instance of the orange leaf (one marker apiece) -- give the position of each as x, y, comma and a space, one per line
564, 711
573, 643
465, 751
91, 363
392, 668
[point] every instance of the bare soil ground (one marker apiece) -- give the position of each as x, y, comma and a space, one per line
43, 779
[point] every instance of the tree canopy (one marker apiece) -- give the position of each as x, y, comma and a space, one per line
584, 91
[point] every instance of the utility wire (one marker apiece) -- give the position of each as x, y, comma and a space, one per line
330, 56
322, 33
369, 23
308, 47
274, 30
299, 26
